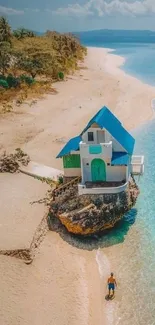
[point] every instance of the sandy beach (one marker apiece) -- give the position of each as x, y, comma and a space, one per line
65, 283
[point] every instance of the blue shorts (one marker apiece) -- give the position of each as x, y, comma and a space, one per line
111, 286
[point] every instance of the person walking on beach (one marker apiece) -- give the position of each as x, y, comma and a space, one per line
111, 284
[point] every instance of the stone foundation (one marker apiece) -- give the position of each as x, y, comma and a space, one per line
90, 214
67, 179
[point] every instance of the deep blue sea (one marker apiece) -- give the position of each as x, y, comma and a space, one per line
133, 239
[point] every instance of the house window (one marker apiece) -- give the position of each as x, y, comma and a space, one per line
90, 136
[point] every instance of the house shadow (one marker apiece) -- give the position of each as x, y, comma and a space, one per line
107, 238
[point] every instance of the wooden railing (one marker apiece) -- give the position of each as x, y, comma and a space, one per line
59, 190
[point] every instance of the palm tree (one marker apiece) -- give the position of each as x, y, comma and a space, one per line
5, 30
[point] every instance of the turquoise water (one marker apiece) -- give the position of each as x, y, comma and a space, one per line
133, 239
137, 259
129, 249
140, 56
133, 257
140, 60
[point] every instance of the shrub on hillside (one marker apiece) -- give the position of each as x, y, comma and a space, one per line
12, 81
4, 84
28, 80
2, 77
25, 56
61, 75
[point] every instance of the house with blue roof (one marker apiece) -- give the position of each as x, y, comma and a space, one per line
102, 155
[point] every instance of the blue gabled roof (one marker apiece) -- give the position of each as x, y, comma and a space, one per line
71, 145
120, 158
105, 119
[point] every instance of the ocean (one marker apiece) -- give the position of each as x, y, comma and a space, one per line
134, 265
138, 48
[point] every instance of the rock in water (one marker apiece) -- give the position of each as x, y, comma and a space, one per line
90, 214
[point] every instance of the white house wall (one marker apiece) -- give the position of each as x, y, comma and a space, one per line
116, 146
115, 173
85, 136
106, 152
95, 130
86, 170
72, 172
107, 137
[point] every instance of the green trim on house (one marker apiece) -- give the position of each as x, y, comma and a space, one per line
71, 161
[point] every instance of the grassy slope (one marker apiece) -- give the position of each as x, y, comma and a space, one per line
57, 53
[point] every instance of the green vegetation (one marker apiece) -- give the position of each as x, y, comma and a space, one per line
5, 30
71, 161
21, 33
29, 63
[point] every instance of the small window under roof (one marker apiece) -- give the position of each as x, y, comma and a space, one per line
90, 136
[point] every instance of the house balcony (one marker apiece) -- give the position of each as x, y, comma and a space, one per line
137, 165
102, 187
102, 150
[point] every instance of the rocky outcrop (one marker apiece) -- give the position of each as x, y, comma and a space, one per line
90, 214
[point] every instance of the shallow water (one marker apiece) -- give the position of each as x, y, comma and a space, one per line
130, 247
133, 256
139, 60
139, 57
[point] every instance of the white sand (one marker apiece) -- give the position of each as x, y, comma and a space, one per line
42, 129
18, 217
63, 286
60, 287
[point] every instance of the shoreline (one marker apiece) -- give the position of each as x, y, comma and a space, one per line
117, 69
123, 60
41, 131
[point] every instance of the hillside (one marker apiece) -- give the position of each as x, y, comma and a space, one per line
114, 36
29, 63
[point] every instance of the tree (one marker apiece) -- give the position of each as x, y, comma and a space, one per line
21, 33
5, 30
31, 65
37, 57
47, 55
5, 56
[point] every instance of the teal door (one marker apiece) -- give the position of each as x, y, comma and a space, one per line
98, 170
